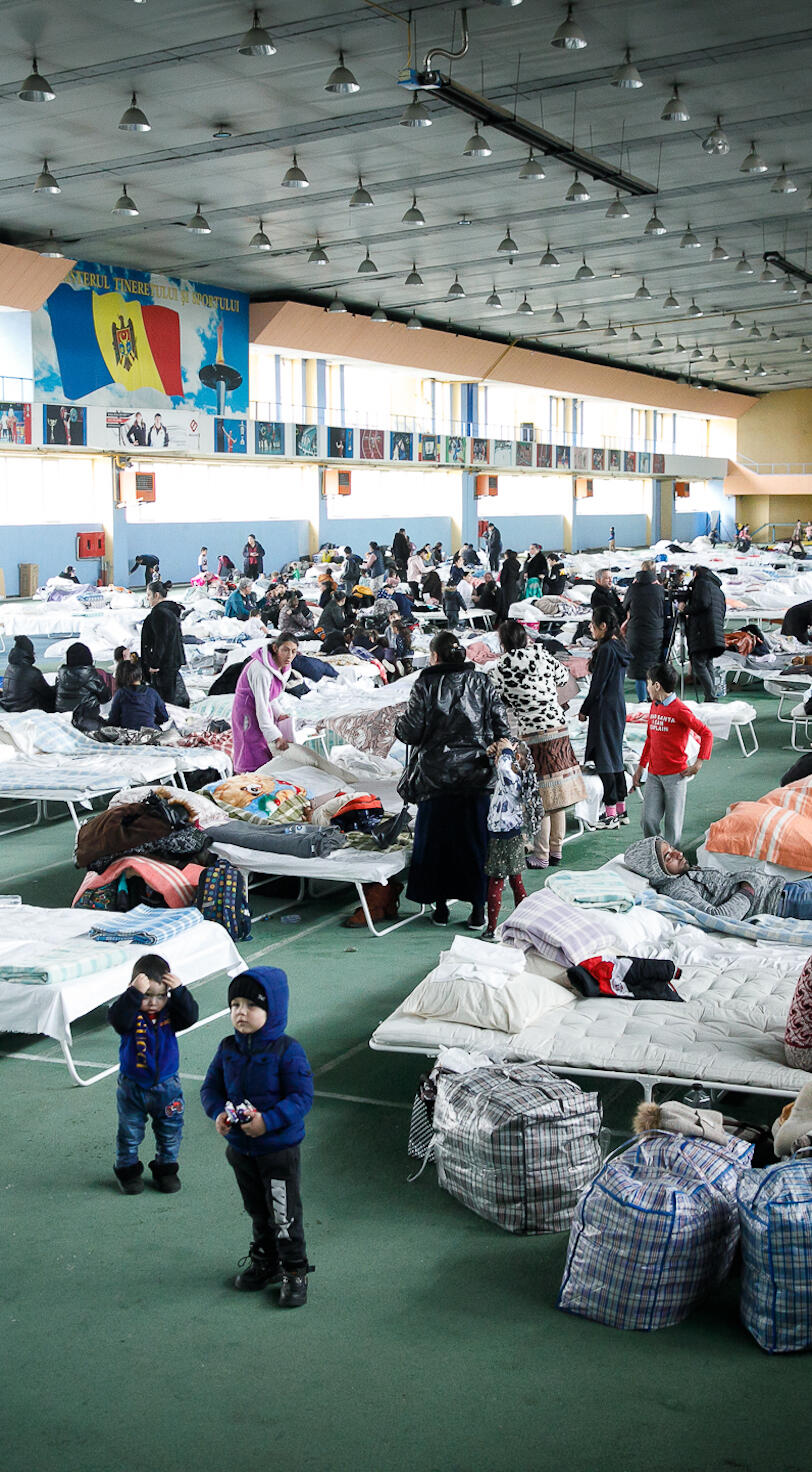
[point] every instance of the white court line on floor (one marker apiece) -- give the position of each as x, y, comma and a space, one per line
340, 1058
35, 873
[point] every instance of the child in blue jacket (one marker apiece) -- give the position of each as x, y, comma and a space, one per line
155, 1007
263, 1069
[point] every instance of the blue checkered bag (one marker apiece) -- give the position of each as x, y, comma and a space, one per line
775, 1212
654, 1232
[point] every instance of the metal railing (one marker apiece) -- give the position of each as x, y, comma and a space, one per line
778, 468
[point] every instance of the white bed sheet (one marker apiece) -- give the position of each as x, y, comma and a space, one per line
344, 866
195, 953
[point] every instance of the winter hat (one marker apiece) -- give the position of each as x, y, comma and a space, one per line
23, 644
789, 1128
645, 858
78, 654
246, 985
681, 1119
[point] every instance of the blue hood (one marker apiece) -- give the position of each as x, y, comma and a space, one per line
274, 983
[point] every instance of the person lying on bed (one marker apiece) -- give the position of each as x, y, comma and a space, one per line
737, 896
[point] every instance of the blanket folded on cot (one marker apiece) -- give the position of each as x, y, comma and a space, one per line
146, 927
762, 927
601, 890
562, 932
61, 964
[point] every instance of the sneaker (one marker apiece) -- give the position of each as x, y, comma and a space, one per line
476, 920
623, 819
257, 1270
533, 863
604, 822
554, 859
439, 915
293, 1293
487, 935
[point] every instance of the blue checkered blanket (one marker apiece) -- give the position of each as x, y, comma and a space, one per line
762, 927
143, 926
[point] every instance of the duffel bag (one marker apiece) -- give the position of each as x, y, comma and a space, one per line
775, 1212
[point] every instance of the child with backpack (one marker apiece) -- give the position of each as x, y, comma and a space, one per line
515, 813
258, 1089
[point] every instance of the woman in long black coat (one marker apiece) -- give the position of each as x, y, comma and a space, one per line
705, 626
510, 579
605, 708
645, 633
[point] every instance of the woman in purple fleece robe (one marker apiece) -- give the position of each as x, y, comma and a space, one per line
259, 732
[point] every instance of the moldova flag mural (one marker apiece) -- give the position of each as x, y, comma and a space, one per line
116, 337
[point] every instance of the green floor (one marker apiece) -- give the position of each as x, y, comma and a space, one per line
431, 1339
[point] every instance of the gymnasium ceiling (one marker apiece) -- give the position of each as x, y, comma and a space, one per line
735, 59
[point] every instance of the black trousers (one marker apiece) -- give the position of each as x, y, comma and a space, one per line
702, 666
269, 1186
614, 787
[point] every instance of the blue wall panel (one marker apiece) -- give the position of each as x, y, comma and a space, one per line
519, 531
359, 533
51, 547
177, 544
592, 532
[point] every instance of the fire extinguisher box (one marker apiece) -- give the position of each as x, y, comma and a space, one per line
89, 544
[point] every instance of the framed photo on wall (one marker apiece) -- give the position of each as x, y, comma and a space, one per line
64, 424
503, 452
400, 445
598, 459
307, 440
580, 457
269, 437
630, 461
454, 449
15, 424
658, 464
371, 444
231, 436
480, 452
562, 457
429, 449
544, 457
524, 453
613, 461
644, 462
339, 444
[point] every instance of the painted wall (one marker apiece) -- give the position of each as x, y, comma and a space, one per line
177, 544
777, 429
519, 531
692, 518
592, 532
349, 532
51, 547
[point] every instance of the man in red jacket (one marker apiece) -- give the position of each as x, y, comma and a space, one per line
669, 723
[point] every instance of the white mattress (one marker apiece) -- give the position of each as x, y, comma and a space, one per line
728, 1030
196, 953
344, 866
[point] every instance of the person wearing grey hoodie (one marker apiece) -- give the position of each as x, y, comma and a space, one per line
738, 896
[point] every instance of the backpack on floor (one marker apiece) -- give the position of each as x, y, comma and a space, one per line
775, 1212
516, 1144
655, 1231
221, 897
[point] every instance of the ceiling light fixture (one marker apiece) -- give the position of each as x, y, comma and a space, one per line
494, 300
736, 325
379, 315
46, 183
656, 343
773, 337
783, 184
805, 298
761, 371
557, 316
414, 215
743, 267
805, 347
341, 80
617, 209
477, 145
689, 241
416, 115
768, 276
583, 325
524, 308
361, 197
36, 89
222, 131
634, 336
456, 290
295, 178
671, 301
259, 240
675, 110
569, 36
53, 253
548, 259
318, 255
611, 331
627, 74
507, 246
730, 363
696, 353
198, 225
718, 253
642, 293
694, 310
531, 168
712, 357
414, 278
753, 163
788, 286
337, 305
125, 204
367, 266
754, 331
414, 324
654, 225
256, 41
717, 140
577, 192
584, 272
133, 120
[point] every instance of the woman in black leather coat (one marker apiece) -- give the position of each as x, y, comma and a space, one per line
80, 687
453, 718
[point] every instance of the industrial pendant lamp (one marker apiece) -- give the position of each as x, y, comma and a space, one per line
531, 168
379, 315
256, 41
743, 267
507, 245
584, 272
259, 240
199, 225
456, 290
548, 259
717, 140
671, 303
367, 266
477, 145
53, 253
569, 36
337, 305
125, 204
617, 209
134, 120
414, 215
627, 74
524, 308
718, 253
46, 183
341, 80
557, 316
416, 115
577, 192
494, 300
752, 163
414, 278
318, 255
35, 88
642, 293
360, 198
675, 110
295, 178
689, 241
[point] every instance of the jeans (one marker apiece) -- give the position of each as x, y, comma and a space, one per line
641, 690
163, 1104
702, 666
269, 1186
796, 902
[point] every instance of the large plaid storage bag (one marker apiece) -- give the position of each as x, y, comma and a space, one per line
516, 1144
654, 1232
775, 1212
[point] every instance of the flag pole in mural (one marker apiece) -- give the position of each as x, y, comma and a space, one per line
219, 376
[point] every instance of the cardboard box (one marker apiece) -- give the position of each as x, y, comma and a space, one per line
29, 578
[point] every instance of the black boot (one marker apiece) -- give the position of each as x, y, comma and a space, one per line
258, 1269
476, 919
293, 1293
165, 1176
129, 1178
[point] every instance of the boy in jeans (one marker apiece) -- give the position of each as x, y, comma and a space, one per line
264, 1077
155, 1006
669, 723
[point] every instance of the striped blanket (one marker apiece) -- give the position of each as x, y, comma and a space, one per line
177, 887
60, 964
601, 890
146, 927
772, 928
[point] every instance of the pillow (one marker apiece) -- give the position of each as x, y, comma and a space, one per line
796, 795
761, 830
522, 1000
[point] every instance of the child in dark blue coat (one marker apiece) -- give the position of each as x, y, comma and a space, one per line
263, 1069
155, 1007
135, 704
